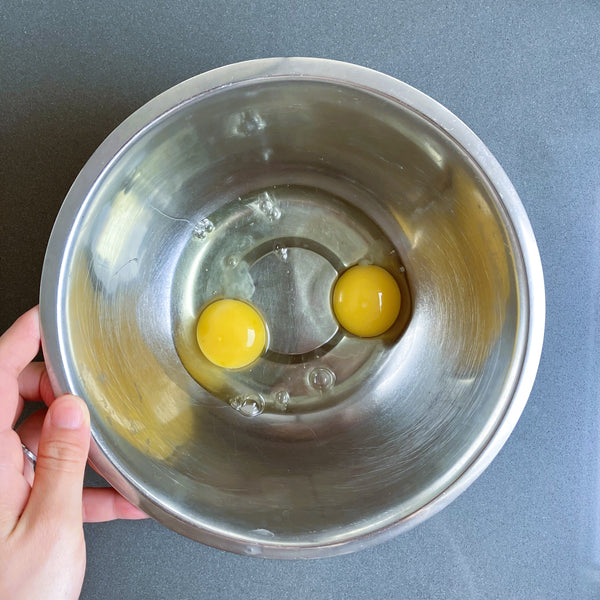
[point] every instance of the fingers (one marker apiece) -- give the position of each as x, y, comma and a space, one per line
14, 492
62, 454
18, 347
29, 432
14, 489
34, 384
11, 452
106, 504
99, 504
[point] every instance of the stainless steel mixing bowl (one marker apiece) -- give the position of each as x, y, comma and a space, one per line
263, 181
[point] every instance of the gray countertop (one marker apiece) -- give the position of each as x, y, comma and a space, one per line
526, 78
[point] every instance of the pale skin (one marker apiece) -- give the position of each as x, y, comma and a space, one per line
42, 548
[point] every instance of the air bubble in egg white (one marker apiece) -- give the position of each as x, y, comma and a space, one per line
248, 405
282, 400
203, 229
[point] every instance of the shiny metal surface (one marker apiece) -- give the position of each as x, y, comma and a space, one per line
263, 180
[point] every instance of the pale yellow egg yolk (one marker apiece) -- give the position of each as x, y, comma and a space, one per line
366, 300
231, 333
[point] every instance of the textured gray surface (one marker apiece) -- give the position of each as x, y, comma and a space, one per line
525, 78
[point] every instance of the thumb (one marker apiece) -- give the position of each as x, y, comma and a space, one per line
62, 455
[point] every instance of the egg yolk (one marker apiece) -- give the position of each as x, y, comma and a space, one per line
231, 333
366, 300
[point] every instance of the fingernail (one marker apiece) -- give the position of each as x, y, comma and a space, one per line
67, 415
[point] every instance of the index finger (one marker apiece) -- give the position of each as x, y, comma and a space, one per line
18, 347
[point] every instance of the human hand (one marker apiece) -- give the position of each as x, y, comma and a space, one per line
42, 548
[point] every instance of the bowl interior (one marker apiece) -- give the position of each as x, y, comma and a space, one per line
339, 173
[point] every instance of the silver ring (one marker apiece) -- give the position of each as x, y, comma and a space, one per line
30, 456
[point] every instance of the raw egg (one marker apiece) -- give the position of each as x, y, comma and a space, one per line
231, 333
366, 300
